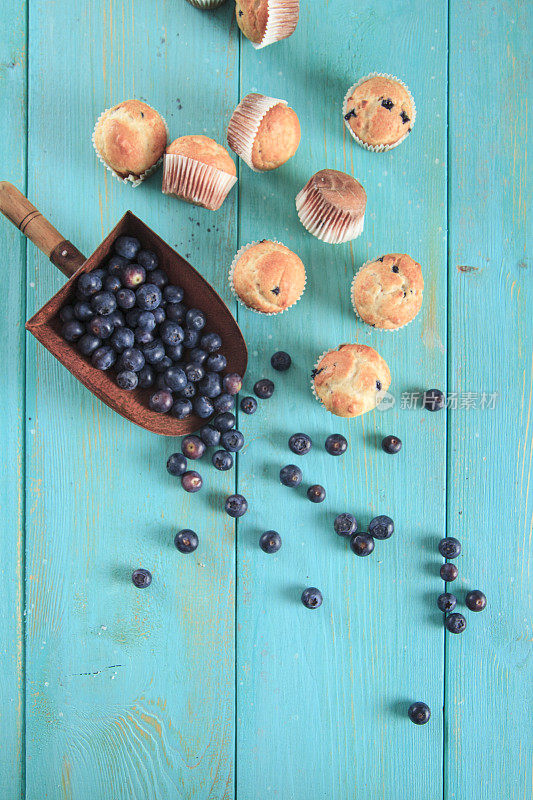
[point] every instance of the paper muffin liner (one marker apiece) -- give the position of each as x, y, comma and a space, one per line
134, 180
206, 4
314, 391
328, 224
245, 122
379, 148
358, 315
282, 19
238, 254
196, 182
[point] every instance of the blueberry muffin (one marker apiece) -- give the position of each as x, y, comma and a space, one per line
351, 380
264, 132
332, 206
379, 112
198, 170
266, 21
130, 139
387, 293
267, 277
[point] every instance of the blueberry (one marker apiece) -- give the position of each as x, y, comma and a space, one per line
300, 443
264, 389
170, 332
67, 313
161, 401
381, 527
236, 505
345, 524
361, 544
190, 338
141, 578
146, 377
223, 403
197, 355
281, 361
132, 317
154, 352
125, 298
146, 320
117, 319
159, 278
101, 327
203, 407
163, 365
388, 104
209, 436
177, 464
159, 315
103, 358
222, 460
147, 259
127, 246
270, 542
446, 601
192, 447
210, 385
116, 264
181, 409
72, 330
143, 336
391, 445
160, 383
232, 383
175, 378
248, 405
131, 359
455, 623
316, 493
312, 597
216, 362
194, 372
148, 297
83, 311
210, 342
186, 541
127, 380
188, 391
336, 444
176, 312
291, 475
475, 600
192, 481
174, 352
232, 441
172, 294
448, 572
122, 339
103, 303
99, 272
449, 547
195, 319
88, 344
224, 422
434, 400
112, 283
419, 713
89, 284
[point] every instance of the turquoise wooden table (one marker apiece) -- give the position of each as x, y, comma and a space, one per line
216, 682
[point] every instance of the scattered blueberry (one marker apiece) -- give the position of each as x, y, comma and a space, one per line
362, 544
143, 336
88, 344
270, 542
209, 436
177, 464
248, 405
159, 278
103, 303
147, 259
475, 600
232, 383
446, 601
176, 312
434, 400
381, 527
264, 389
161, 401
127, 380
103, 358
127, 247
148, 297
181, 408
419, 713
89, 284
449, 547
316, 493
223, 403
236, 505
146, 377
154, 352
83, 311
455, 623
193, 447
112, 284
141, 578
224, 422
336, 444
312, 597
197, 355
101, 327
190, 338
72, 330
188, 391
194, 372
146, 320
203, 407
171, 333
232, 441
115, 265
174, 351
210, 342
391, 445
131, 359
175, 378
345, 524
291, 475
449, 572
117, 319
210, 385
281, 361
222, 460
186, 541
216, 362
300, 443
159, 315
122, 339
172, 294
192, 481
195, 319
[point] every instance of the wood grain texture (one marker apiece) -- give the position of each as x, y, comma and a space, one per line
490, 503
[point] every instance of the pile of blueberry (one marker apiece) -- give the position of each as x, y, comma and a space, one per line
475, 600
128, 316
362, 544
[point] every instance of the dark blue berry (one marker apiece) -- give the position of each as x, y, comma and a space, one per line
419, 713
290, 475
222, 460
159, 315
154, 352
203, 407
264, 389
67, 313
188, 391
132, 317
300, 443
141, 578
174, 352
434, 400
194, 372
236, 505
248, 405
345, 524
448, 572
146, 320
210, 342
100, 272
117, 319
455, 623
181, 409
192, 447
195, 319
446, 601
131, 359
170, 332
449, 547
88, 344
391, 445
146, 377
101, 327
112, 284
381, 527
232, 383
177, 464
281, 361
176, 312
192, 481
72, 330
224, 422
223, 403
89, 284
103, 303
190, 338
116, 264
127, 380
161, 401
175, 378
209, 436
210, 385
127, 246
216, 362
148, 296
197, 355
232, 441
147, 259
336, 444
270, 542
388, 104
172, 294
312, 597
186, 541
316, 493
143, 336
159, 278
83, 311
162, 365
475, 600
103, 358
122, 339
361, 544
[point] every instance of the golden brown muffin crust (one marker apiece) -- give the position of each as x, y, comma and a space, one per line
131, 137
269, 277
375, 123
252, 18
277, 139
387, 293
350, 379
202, 148
340, 190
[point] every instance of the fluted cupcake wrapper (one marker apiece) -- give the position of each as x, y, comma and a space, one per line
358, 315
238, 254
282, 20
319, 359
380, 148
245, 122
322, 220
134, 180
206, 4
196, 182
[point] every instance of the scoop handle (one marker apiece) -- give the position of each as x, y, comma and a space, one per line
42, 233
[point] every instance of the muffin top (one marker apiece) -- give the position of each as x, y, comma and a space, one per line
380, 111
269, 277
277, 139
340, 191
204, 149
350, 380
252, 18
130, 137
387, 293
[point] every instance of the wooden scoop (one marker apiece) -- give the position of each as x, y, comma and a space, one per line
46, 325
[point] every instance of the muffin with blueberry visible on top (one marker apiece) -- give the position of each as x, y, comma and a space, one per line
267, 277
198, 170
379, 112
387, 293
350, 380
266, 21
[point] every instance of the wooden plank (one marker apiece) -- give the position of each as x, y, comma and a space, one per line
323, 696
490, 505
130, 694
13, 54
